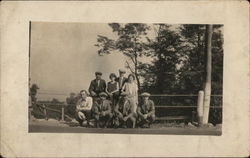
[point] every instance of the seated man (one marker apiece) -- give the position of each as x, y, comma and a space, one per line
124, 115
97, 85
146, 111
102, 111
83, 108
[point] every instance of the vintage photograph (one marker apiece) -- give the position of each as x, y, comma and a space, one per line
125, 78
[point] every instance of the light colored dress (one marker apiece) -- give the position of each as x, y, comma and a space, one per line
132, 90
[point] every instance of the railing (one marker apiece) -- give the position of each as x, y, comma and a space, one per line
45, 107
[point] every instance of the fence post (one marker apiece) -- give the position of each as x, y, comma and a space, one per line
45, 112
200, 107
62, 113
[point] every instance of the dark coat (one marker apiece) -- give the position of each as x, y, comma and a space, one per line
124, 108
148, 108
102, 106
122, 82
95, 88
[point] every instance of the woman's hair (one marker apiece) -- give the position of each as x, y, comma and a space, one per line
132, 76
84, 92
112, 75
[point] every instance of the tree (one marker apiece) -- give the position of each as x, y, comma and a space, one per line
130, 42
207, 89
193, 72
167, 51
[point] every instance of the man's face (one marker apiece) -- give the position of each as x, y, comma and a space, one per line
103, 97
84, 95
121, 74
145, 99
98, 77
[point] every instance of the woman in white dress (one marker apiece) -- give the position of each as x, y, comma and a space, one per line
131, 88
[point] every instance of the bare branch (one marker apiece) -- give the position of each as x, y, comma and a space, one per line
128, 65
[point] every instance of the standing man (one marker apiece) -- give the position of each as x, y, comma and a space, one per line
121, 79
83, 108
102, 111
124, 113
97, 85
146, 111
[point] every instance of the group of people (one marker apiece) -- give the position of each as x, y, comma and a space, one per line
115, 104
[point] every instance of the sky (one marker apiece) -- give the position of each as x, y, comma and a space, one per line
64, 59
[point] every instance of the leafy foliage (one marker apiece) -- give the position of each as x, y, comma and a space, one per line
178, 59
130, 42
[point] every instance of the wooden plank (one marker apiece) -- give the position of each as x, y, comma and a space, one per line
164, 106
167, 106
172, 118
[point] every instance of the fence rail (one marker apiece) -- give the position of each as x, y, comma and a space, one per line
44, 105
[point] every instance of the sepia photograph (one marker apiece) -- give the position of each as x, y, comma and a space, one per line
125, 78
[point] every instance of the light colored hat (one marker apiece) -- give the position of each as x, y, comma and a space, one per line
103, 94
122, 71
145, 94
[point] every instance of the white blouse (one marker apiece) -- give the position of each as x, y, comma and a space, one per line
132, 90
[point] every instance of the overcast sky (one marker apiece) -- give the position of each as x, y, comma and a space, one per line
64, 58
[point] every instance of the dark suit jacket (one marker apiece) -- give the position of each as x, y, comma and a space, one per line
123, 81
144, 108
103, 106
125, 108
97, 89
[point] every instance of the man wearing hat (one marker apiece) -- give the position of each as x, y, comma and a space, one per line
124, 115
97, 85
146, 110
102, 111
121, 79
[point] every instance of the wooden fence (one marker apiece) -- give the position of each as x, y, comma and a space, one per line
44, 107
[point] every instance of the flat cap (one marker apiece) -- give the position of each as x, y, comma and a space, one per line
122, 71
98, 73
103, 94
145, 94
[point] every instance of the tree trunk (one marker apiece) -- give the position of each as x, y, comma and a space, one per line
207, 91
136, 74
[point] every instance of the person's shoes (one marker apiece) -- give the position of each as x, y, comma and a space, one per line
145, 126
90, 124
80, 123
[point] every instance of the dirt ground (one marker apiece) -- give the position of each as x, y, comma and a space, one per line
55, 126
